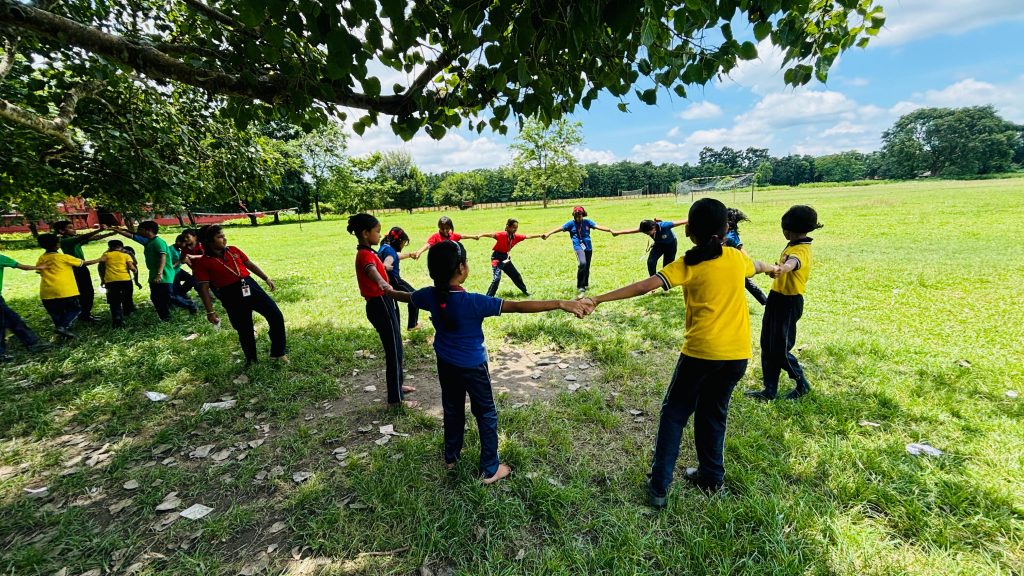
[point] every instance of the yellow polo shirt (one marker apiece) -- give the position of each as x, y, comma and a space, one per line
116, 266
717, 320
57, 281
795, 282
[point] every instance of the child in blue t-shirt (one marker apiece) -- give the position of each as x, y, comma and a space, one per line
732, 239
579, 231
458, 317
664, 246
390, 253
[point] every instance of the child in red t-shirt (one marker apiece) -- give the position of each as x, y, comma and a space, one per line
380, 308
445, 231
504, 241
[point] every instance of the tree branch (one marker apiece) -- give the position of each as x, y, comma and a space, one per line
8, 60
57, 127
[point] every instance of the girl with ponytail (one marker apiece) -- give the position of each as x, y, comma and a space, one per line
391, 255
715, 351
381, 310
458, 317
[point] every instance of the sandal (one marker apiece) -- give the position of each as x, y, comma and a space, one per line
503, 472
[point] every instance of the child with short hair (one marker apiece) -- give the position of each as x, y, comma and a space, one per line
458, 317
159, 260
715, 350
732, 239
183, 281
57, 286
504, 241
380, 308
71, 243
10, 320
391, 255
664, 243
116, 268
579, 231
786, 306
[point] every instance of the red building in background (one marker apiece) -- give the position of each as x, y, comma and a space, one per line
83, 215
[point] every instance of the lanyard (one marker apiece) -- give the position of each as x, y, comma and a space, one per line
234, 260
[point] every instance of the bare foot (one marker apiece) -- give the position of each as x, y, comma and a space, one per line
449, 465
281, 359
416, 327
405, 404
408, 389
503, 472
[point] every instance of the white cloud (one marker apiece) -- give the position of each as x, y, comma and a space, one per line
1008, 99
762, 75
857, 82
589, 156
673, 132
701, 111
455, 152
909, 20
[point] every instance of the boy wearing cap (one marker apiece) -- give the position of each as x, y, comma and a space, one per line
786, 305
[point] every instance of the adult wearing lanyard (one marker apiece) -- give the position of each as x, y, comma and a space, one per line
228, 270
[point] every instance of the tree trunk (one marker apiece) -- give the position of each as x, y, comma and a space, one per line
252, 220
544, 197
33, 227
191, 218
277, 219
181, 221
316, 202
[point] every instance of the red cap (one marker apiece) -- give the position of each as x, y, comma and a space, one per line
579, 210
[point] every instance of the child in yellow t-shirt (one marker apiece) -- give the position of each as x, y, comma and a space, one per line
715, 351
786, 305
117, 268
57, 287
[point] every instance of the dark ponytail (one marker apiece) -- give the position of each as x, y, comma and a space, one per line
734, 217
396, 238
443, 261
648, 226
359, 223
706, 226
206, 235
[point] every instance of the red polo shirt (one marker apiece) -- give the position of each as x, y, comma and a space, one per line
224, 271
437, 238
366, 258
196, 251
503, 244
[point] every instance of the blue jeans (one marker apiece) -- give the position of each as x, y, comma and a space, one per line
701, 388
9, 320
63, 311
456, 382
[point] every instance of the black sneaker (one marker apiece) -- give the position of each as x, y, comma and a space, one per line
692, 475
797, 392
65, 332
90, 318
39, 347
759, 395
653, 499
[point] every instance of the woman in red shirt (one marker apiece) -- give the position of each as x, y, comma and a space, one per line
380, 308
229, 272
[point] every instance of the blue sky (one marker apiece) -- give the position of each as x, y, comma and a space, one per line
946, 53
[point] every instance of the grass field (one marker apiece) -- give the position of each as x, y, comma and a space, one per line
914, 320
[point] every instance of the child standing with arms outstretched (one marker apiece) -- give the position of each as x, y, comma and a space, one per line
732, 240
786, 305
664, 245
504, 241
380, 308
391, 255
579, 231
445, 231
715, 351
458, 317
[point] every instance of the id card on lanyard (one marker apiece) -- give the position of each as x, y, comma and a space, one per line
246, 289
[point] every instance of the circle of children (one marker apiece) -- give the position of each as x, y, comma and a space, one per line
714, 273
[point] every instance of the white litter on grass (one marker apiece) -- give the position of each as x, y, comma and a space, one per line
156, 396
38, 492
195, 511
130, 485
636, 412
1011, 394
382, 440
277, 527
919, 448
202, 451
370, 388
225, 405
868, 424
300, 477
242, 379
388, 429
191, 336
221, 455
170, 502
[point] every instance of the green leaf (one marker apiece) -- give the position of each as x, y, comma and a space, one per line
649, 96
762, 30
748, 51
371, 85
623, 107
647, 33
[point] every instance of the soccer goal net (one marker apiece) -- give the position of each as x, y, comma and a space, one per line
636, 192
694, 187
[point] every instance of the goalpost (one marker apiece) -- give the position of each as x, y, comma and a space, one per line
692, 188
636, 192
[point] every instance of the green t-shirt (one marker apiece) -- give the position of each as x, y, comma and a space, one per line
154, 248
72, 246
175, 257
5, 262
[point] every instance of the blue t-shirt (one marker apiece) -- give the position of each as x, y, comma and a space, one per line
385, 251
732, 239
463, 346
580, 234
664, 234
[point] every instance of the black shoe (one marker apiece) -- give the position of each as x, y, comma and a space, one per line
759, 395
39, 347
65, 332
797, 392
653, 499
6, 358
692, 475
90, 318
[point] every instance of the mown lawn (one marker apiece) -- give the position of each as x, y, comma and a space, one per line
914, 321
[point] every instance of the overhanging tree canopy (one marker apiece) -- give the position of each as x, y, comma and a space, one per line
430, 64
